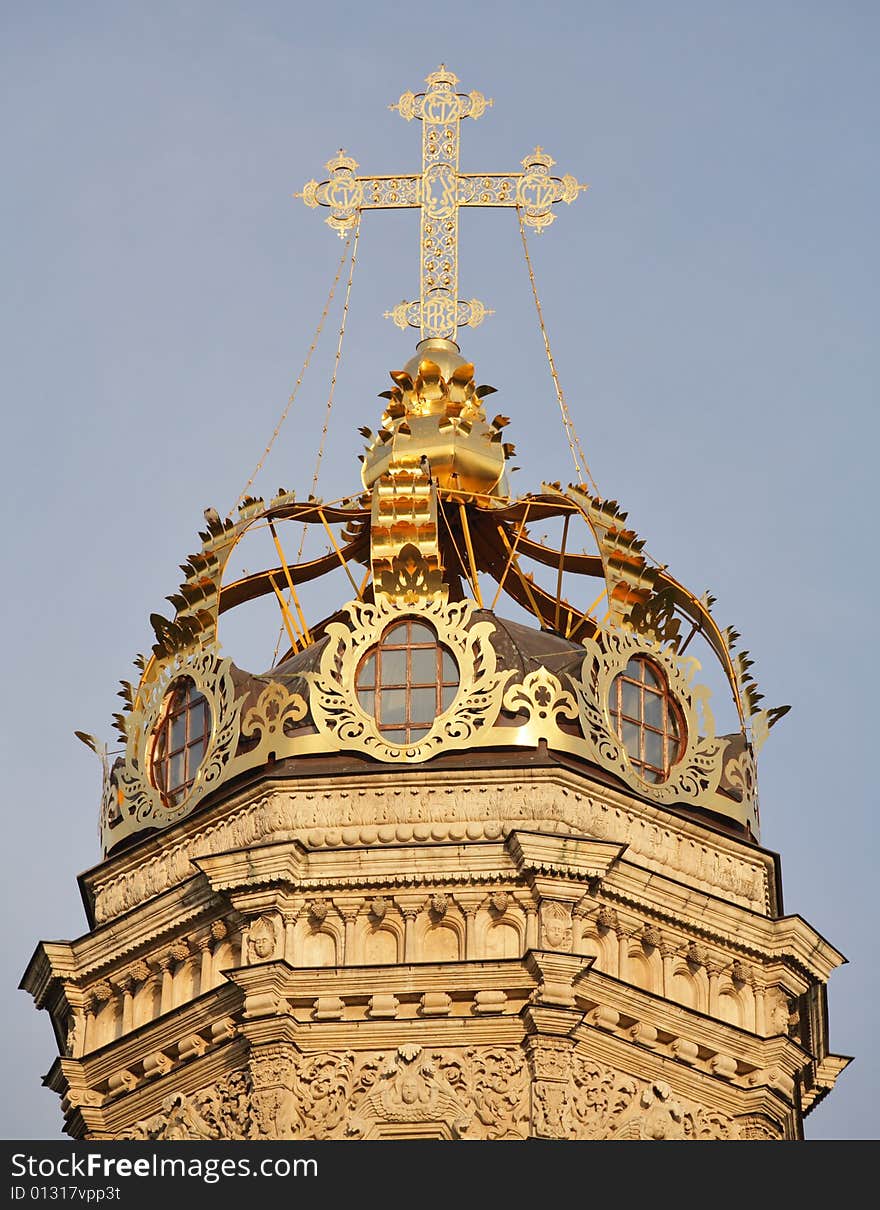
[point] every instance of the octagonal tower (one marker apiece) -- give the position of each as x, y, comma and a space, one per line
449, 868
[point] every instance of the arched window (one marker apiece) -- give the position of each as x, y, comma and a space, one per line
180, 741
647, 718
407, 681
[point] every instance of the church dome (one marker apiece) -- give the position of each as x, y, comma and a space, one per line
468, 846
596, 668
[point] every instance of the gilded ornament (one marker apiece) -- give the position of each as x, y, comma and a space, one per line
142, 802
344, 724
694, 777
439, 192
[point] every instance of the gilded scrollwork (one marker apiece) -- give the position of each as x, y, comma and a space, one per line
694, 777
268, 721
544, 701
570, 713
212, 677
741, 773
333, 701
439, 191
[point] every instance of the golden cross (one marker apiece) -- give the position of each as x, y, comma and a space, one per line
438, 192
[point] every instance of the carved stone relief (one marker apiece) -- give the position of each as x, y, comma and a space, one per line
263, 938
480, 1092
220, 1111
324, 818
556, 925
597, 1102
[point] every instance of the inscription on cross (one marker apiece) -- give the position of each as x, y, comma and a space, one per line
439, 192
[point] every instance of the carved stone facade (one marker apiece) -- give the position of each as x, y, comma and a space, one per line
276, 966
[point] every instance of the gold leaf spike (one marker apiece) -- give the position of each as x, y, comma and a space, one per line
365, 432
484, 390
463, 375
500, 421
402, 379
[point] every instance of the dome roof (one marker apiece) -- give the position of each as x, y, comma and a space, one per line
601, 672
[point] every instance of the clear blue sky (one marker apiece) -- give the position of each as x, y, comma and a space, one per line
712, 302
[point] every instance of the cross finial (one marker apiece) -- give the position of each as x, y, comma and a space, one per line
438, 192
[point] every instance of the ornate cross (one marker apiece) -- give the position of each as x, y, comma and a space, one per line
438, 192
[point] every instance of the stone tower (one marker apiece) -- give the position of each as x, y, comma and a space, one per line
439, 872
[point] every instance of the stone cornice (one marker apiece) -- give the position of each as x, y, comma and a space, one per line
403, 806
161, 1035
292, 868
303, 985
616, 1010
120, 940
663, 899
51, 960
686, 1079
579, 858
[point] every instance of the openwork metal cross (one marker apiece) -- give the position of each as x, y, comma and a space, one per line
439, 192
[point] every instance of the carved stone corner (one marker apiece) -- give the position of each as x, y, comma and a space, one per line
554, 974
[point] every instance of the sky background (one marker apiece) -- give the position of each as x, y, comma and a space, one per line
712, 303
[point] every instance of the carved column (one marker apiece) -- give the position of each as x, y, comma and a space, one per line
104, 995
348, 910
206, 964
219, 933
410, 907
469, 902
667, 951
714, 972
88, 1025
126, 983
550, 1068
273, 1102
623, 936
760, 1008
164, 965
289, 919
549, 1050
578, 924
